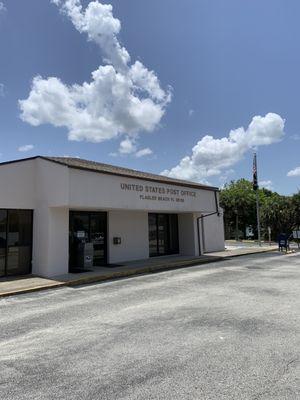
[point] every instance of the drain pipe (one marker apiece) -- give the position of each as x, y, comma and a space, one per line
204, 216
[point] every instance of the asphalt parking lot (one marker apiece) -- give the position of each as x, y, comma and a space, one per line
226, 330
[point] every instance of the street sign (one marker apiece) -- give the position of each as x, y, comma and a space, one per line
296, 234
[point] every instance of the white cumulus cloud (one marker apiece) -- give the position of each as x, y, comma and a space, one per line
210, 156
2, 7
2, 90
268, 184
143, 152
294, 172
101, 27
129, 146
25, 148
121, 98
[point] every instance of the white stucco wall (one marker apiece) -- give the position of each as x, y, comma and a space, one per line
50, 256
213, 229
17, 185
40, 241
132, 228
50, 219
51, 189
52, 184
94, 190
59, 242
188, 236
29, 183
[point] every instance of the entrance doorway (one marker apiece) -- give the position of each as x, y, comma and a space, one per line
15, 242
163, 234
87, 240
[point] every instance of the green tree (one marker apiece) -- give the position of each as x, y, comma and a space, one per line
280, 213
239, 204
296, 209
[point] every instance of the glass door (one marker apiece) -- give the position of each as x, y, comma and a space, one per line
98, 237
173, 234
87, 235
163, 234
152, 218
78, 236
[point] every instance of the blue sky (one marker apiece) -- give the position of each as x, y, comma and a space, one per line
225, 61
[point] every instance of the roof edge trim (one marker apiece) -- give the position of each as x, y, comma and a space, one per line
161, 180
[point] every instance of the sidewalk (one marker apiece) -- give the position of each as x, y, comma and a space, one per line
26, 284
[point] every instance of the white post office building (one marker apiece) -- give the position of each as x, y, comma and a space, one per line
59, 215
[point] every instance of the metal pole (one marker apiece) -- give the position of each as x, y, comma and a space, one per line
199, 237
258, 218
237, 227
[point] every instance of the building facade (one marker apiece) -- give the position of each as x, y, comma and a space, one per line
58, 215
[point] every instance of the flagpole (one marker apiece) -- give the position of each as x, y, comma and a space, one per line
256, 187
258, 218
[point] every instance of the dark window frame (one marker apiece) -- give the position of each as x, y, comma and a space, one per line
89, 214
8, 210
171, 248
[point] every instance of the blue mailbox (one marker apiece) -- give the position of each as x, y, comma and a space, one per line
283, 242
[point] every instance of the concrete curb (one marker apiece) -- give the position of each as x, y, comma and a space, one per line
129, 273
32, 289
140, 271
251, 253
156, 268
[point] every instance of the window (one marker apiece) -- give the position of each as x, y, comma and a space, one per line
163, 234
3, 232
15, 242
